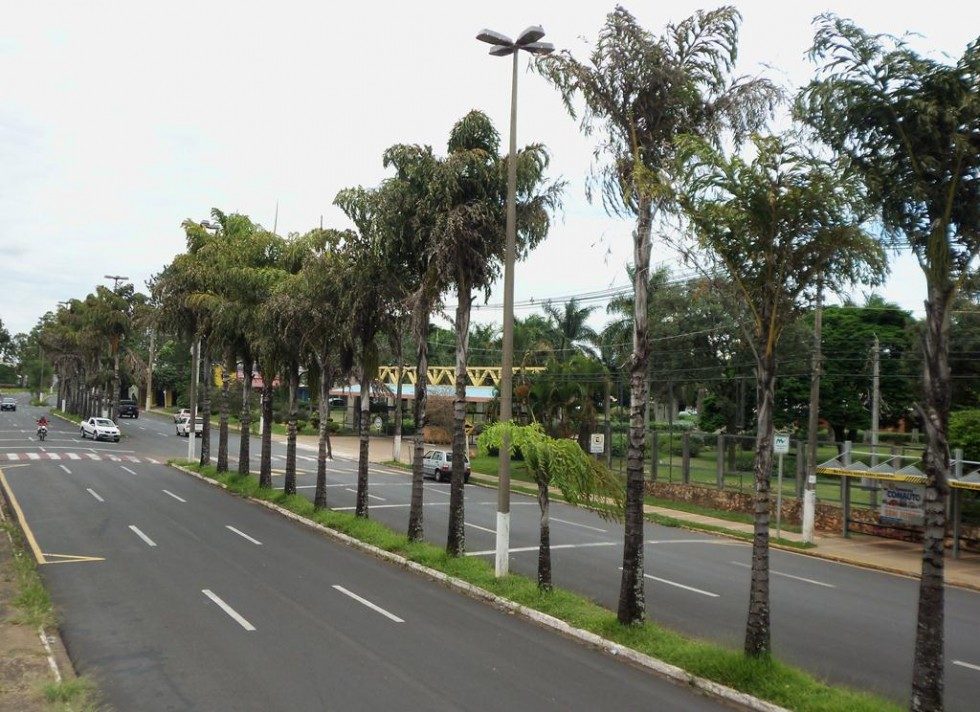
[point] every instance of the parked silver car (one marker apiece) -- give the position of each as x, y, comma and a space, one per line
438, 464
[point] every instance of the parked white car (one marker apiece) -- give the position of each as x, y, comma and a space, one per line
183, 413
99, 429
184, 427
438, 464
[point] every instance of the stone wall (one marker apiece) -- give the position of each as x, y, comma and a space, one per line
828, 517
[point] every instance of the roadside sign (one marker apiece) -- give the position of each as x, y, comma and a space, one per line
780, 444
902, 504
597, 443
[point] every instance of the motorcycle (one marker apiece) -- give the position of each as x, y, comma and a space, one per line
42, 432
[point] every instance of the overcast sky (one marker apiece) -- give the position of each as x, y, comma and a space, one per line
120, 119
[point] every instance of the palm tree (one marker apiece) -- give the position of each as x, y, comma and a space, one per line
367, 300
561, 463
910, 124
777, 226
640, 92
469, 194
405, 221
570, 329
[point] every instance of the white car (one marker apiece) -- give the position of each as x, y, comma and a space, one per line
184, 427
438, 464
183, 413
99, 429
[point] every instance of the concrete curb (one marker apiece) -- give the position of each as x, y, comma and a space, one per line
585, 637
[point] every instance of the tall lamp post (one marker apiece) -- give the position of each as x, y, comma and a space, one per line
503, 46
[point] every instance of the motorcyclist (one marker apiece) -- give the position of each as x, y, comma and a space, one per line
42, 422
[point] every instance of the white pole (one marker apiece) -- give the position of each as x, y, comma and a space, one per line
502, 553
779, 498
192, 423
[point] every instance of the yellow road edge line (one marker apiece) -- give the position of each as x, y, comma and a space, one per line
38, 554
72, 558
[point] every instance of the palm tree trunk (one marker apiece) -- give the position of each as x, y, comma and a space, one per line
456, 539
265, 458
289, 486
114, 400
206, 379
361, 505
323, 406
632, 606
421, 324
928, 660
757, 628
223, 415
244, 438
544, 546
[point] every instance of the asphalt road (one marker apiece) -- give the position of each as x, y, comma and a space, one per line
176, 596
846, 624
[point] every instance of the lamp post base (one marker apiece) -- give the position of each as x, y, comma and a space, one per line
809, 513
502, 561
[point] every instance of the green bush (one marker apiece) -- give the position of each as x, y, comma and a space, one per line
675, 445
899, 438
964, 432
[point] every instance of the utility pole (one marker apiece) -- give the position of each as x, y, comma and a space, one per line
875, 415
810, 487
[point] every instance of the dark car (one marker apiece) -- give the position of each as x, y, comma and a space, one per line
8, 403
128, 409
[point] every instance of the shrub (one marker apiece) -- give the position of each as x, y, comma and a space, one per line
964, 432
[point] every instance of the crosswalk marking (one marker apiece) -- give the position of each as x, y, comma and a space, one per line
95, 457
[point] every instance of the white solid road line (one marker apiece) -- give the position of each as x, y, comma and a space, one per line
576, 524
680, 585
970, 666
520, 549
94, 494
142, 536
179, 499
789, 576
370, 605
127, 469
698, 541
242, 534
396, 506
65, 469
229, 610
482, 529
372, 496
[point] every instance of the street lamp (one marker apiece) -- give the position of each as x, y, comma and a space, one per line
503, 46
116, 278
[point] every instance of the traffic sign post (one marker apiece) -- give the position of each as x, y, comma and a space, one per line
780, 446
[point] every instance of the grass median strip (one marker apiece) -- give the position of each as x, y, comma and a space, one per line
767, 678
